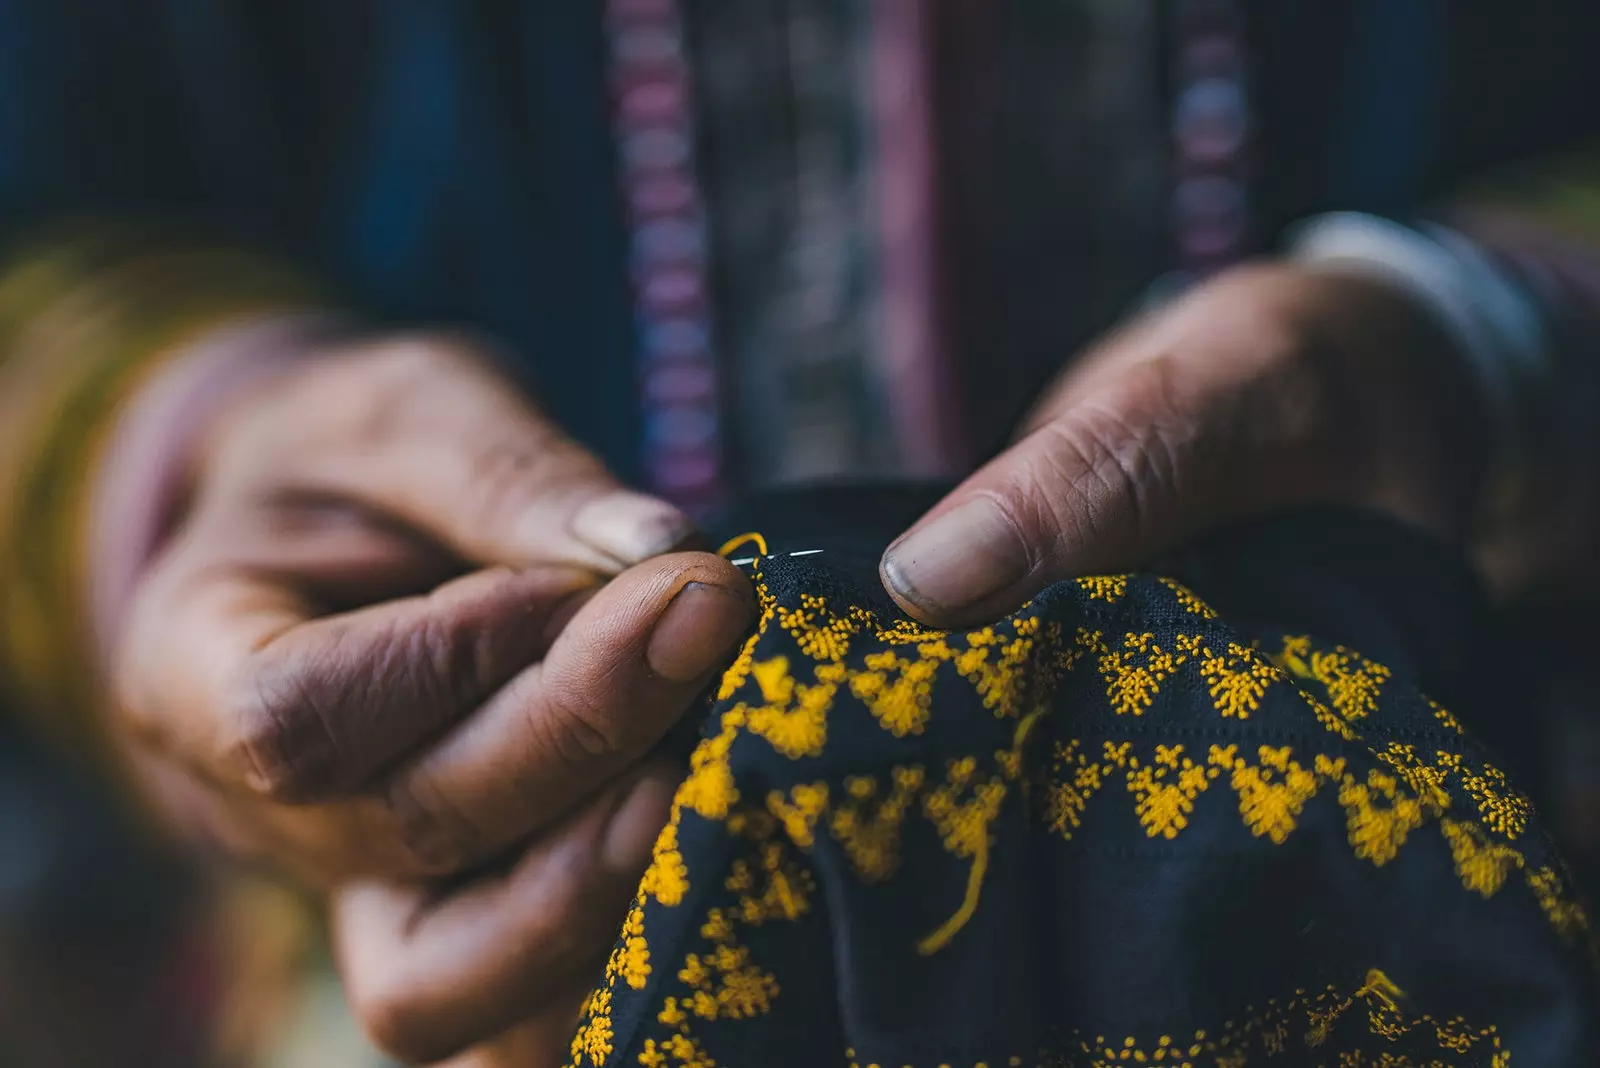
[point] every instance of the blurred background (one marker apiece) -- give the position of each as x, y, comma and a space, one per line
791, 240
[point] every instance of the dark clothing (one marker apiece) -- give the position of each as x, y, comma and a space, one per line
453, 161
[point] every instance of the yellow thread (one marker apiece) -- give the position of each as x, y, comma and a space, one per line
730, 546
739, 671
963, 827
941, 937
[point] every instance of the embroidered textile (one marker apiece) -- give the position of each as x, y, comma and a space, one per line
1213, 819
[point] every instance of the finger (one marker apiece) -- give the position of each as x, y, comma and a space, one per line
626, 668
542, 1041
430, 978
223, 666
342, 555
1131, 461
428, 432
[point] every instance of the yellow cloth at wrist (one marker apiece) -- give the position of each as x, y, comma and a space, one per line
84, 322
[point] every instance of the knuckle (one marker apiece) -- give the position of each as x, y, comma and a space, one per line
1109, 465
431, 835
278, 731
393, 1010
428, 662
260, 741
575, 728
395, 382
506, 475
535, 467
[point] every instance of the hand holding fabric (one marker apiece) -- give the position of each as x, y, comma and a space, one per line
405, 629
1269, 387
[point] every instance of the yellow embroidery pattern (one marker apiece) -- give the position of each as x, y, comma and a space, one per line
1305, 1022
1273, 792
898, 691
1073, 780
1482, 864
869, 828
724, 983
1381, 810
1502, 808
630, 963
1324, 1025
1187, 600
1566, 915
792, 716
1387, 792
1443, 716
1134, 673
1379, 814
1165, 787
1351, 681
1237, 679
1108, 588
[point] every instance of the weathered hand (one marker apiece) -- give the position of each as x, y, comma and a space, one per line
1269, 387
407, 629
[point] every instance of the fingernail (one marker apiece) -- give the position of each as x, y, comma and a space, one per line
630, 527
631, 834
697, 631
957, 560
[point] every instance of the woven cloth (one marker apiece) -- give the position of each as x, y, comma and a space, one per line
1210, 815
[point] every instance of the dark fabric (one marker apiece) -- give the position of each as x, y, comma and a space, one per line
1137, 822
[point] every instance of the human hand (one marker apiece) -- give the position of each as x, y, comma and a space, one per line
492, 973
305, 661
1269, 387
406, 628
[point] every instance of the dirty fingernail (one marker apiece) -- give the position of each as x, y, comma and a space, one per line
958, 559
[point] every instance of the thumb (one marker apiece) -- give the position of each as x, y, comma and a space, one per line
1109, 480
